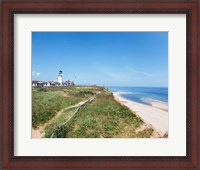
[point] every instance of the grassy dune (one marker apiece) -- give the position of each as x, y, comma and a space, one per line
102, 118
46, 102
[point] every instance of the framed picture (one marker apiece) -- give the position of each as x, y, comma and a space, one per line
100, 84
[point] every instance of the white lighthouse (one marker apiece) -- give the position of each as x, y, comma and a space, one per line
60, 77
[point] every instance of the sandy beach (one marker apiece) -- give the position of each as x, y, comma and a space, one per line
156, 114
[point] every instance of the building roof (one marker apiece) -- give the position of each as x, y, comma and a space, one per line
51, 82
34, 81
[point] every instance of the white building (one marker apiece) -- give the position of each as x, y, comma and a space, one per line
60, 77
53, 83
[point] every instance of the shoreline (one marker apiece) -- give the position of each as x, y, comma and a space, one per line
155, 114
158, 104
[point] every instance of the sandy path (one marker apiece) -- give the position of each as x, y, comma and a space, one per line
39, 132
156, 117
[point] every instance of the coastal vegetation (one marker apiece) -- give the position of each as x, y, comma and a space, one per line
67, 112
46, 102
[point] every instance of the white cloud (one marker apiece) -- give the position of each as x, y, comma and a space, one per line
133, 71
36, 74
148, 74
116, 75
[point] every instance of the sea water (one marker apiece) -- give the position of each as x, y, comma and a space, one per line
144, 95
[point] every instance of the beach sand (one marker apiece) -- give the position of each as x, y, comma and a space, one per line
156, 114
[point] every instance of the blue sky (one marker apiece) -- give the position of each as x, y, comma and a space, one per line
102, 58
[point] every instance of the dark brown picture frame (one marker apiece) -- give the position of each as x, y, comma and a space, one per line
11, 7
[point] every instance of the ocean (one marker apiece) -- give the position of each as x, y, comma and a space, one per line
144, 95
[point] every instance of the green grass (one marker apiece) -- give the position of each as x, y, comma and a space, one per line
56, 122
46, 102
103, 118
